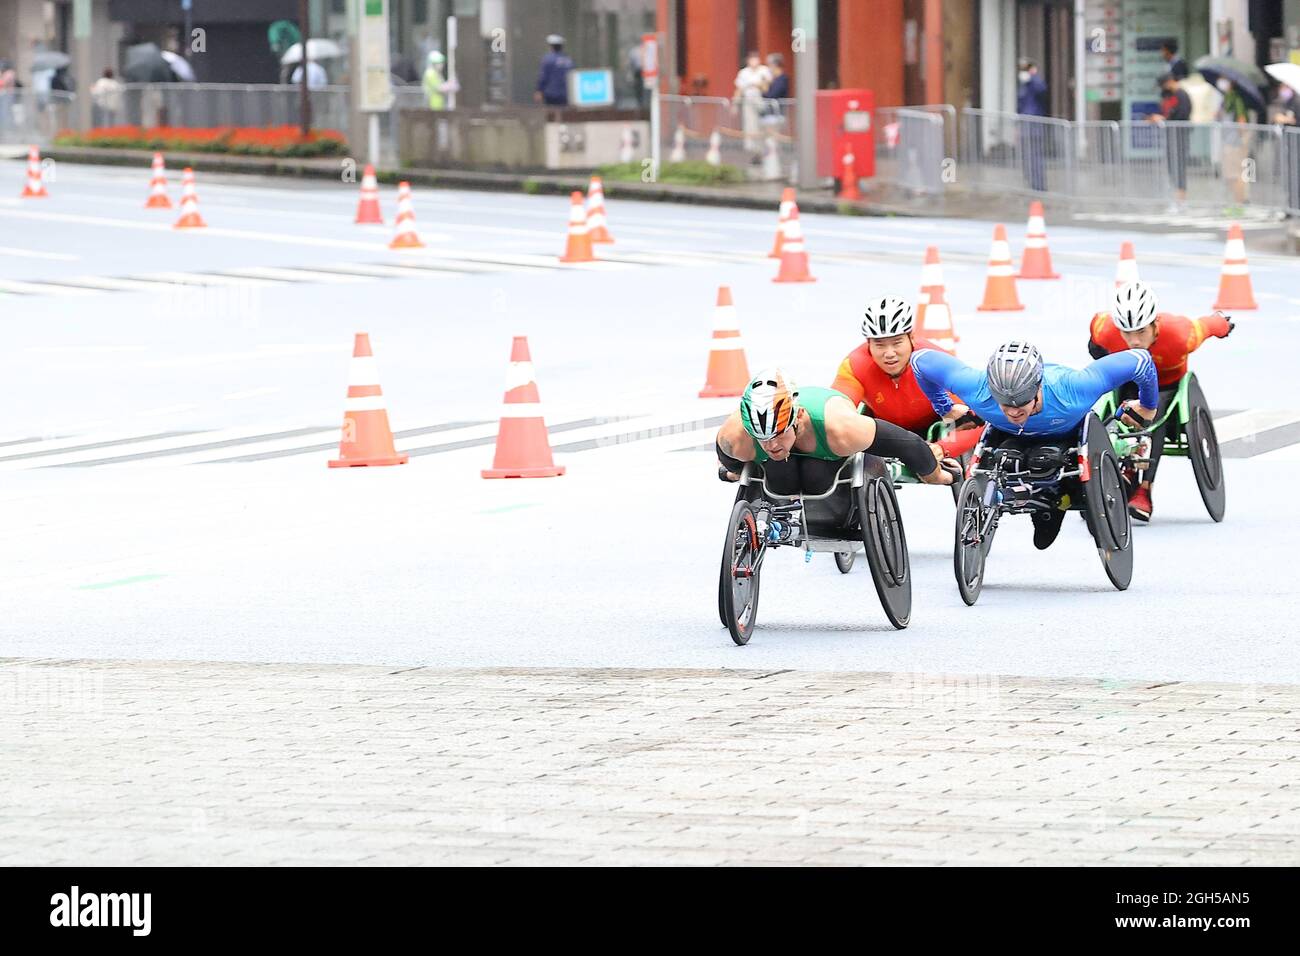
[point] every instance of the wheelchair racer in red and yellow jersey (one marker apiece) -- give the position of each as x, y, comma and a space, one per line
879, 374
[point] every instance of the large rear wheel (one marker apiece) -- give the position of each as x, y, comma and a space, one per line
1203, 449
886, 546
739, 583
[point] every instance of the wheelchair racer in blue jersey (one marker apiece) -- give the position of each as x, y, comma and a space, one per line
1028, 403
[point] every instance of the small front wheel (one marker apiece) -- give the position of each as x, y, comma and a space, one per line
844, 560
738, 586
973, 540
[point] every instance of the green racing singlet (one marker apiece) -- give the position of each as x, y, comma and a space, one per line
814, 399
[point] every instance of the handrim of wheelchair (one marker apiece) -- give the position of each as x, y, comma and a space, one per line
1093, 471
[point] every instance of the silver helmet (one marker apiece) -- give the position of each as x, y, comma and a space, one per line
1135, 306
887, 317
1015, 372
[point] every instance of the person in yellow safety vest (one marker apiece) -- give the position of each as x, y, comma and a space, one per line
434, 84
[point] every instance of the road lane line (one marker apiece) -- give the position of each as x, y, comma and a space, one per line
250, 393
37, 254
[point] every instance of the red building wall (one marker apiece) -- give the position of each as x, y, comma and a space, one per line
871, 48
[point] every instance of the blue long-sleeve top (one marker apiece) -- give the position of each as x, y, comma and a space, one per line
1031, 97
1068, 393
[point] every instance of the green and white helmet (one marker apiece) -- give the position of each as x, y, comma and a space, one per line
769, 405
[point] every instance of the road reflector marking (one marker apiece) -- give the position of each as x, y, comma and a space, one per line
136, 579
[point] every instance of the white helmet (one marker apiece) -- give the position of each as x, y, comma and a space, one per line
1135, 306
769, 405
887, 317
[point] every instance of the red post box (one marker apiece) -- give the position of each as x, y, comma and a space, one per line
846, 119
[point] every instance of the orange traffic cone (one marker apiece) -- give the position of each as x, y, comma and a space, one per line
1036, 263
158, 186
787, 203
728, 372
34, 187
190, 218
1234, 281
933, 316
368, 204
1000, 286
578, 247
404, 234
849, 176
794, 260
367, 439
523, 448
596, 227
1126, 270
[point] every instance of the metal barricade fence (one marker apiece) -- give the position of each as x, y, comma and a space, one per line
912, 148
207, 105
33, 118
757, 137
1291, 165
1007, 153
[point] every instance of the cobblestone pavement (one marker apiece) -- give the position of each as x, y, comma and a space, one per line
214, 763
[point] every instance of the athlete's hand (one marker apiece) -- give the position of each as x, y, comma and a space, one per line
1231, 325
1137, 415
941, 475
937, 449
724, 475
956, 412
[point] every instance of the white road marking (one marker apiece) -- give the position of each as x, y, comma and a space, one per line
250, 393
42, 349
1247, 423
255, 236
36, 288
294, 274
37, 254
167, 410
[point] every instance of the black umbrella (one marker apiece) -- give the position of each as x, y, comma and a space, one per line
145, 64
1248, 79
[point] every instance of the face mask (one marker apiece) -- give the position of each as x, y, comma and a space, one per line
1223, 85
1023, 76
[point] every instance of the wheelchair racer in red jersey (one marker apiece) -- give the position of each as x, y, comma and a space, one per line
1134, 323
879, 374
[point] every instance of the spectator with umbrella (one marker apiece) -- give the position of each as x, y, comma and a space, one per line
1241, 84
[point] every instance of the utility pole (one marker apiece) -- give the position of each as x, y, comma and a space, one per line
804, 43
304, 103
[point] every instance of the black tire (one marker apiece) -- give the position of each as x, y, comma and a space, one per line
1106, 504
740, 594
970, 549
886, 545
844, 560
1203, 450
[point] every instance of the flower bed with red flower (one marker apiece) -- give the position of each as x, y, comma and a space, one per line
247, 140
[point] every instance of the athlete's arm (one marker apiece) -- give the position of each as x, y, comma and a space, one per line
1090, 383
734, 444
848, 433
847, 384
1217, 324
938, 373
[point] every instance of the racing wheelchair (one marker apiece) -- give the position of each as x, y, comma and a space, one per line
1022, 479
858, 509
1190, 435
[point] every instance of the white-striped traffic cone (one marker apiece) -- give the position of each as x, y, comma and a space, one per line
1000, 286
596, 225
1234, 282
1126, 270
1036, 263
190, 217
367, 439
34, 188
728, 372
523, 447
158, 198
404, 234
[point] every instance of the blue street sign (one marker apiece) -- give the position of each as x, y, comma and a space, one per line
591, 88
